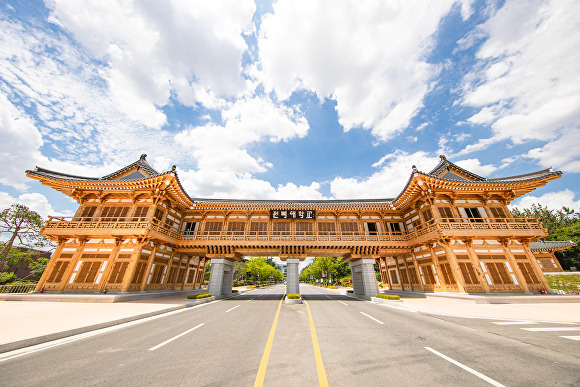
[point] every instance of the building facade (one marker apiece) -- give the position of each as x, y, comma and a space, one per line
448, 230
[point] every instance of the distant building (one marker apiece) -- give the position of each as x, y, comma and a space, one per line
283, 268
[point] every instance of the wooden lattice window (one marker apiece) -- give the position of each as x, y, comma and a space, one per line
404, 278
88, 272
88, 212
112, 213
157, 275
141, 211
447, 274
349, 227
473, 214
413, 276
394, 277
427, 215
326, 228
498, 212
498, 272
159, 214
528, 272
428, 274
468, 273
58, 271
139, 272
395, 228
213, 227
180, 275
258, 228
236, 227
118, 272
281, 227
304, 227
446, 212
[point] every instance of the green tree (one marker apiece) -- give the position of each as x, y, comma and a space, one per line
240, 271
571, 256
562, 225
23, 226
37, 267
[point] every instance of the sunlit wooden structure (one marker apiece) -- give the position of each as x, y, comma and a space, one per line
448, 230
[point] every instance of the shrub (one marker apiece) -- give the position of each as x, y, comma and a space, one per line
293, 296
198, 296
349, 291
234, 290
388, 296
332, 287
6, 278
251, 287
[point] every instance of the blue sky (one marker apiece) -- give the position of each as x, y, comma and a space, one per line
289, 98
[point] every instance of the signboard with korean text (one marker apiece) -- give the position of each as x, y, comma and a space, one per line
293, 214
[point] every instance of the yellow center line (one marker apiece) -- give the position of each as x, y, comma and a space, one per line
264, 363
322, 381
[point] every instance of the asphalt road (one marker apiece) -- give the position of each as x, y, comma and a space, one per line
360, 344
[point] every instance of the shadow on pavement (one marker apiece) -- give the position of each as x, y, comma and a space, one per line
257, 297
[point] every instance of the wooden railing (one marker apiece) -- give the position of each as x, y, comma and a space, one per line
437, 225
17, 288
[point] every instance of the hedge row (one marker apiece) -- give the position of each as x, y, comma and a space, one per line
293, 296
388, 296
197, 296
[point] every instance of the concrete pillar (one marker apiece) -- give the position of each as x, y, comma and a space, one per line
221, 277
292, 282
364, 280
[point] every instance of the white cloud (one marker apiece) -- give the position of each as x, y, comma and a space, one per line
561, 153
474, 165
19, 146
389, 181
190, 48
330, 47
553, 200
35, 201
526, 84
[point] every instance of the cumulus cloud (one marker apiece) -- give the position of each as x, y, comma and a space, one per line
526, 82
19, 146
35, 201
154, 49
330, 47
389, 181
553, 200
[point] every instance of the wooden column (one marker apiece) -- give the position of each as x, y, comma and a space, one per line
477, 267
421, 285
407, 269
452, 259
168, 268
438, 268
110, 263
399, 273
515, 268
186, 272
130, 272
195, 279
50, 266
65, 278
149, 264
536, 267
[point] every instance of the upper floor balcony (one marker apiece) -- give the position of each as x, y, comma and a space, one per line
66, 227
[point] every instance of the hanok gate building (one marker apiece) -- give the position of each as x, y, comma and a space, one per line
449, 230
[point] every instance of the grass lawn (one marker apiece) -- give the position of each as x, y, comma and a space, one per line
564, 282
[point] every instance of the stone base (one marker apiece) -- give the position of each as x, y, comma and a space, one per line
294, 301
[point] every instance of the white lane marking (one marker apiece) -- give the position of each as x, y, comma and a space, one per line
175, 337
552, 329
474, 372
55, 343
514, 322
327, 296
571, 337
343, 303
251, 300
372, 318
229, 310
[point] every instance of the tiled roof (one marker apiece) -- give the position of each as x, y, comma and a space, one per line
551, 245
444, 163
136, 175
293, 202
